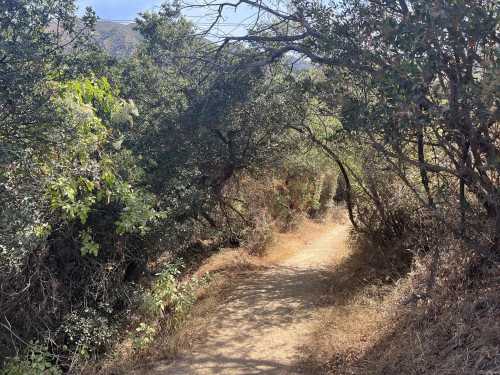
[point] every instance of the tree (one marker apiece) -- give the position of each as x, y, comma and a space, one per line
205, 120
410, 78
37, 38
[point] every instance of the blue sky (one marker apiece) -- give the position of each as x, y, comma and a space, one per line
123, 10
119, 9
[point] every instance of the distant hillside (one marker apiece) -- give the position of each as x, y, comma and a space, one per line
119, 39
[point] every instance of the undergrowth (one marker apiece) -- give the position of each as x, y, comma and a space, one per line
35, 361
403, 308
163, 309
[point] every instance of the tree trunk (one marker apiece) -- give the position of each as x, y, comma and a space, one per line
348, 195
423, 169
333, 155
496, 240
463, 199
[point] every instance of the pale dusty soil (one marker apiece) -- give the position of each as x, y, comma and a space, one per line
267, 317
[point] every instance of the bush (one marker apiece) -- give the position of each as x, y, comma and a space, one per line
88, 332
144, 336
36, 361
166, 304
75, 218
169, 298
260, 235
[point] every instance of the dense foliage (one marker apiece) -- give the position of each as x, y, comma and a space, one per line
415, 81
107, 165
110, 169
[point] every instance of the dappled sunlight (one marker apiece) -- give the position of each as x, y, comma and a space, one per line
266, 315
314, 189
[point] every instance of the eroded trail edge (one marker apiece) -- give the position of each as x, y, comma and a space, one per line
267, 316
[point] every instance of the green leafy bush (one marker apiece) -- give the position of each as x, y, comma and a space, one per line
87, 332
96, 116
72, 217
36, 361
167, 303
171, 297
143, 336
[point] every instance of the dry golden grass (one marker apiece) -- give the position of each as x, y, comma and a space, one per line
283, 246
370, 322
229, 262
124, 358
370, 326
354, 315
349, 329
286, 245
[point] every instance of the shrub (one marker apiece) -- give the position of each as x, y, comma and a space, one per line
171, 298
37, 360
87, 332
144, 336
73, 216
260, 235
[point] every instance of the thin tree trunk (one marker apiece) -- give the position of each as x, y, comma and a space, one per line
496, 240
423, 169
371, 192
348, 199
334, 156
463, 199
463, 207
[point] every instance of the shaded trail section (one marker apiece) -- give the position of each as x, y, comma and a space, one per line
267, 317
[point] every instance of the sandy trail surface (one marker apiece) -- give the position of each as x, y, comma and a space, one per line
267, 317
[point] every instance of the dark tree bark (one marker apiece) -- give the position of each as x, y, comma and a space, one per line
496, 243
463, 199
423, 170
348, 194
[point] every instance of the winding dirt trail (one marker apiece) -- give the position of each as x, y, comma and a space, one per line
267, 316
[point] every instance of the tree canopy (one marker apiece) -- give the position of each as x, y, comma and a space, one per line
114, 167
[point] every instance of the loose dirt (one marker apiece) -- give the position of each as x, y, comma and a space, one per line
268, 316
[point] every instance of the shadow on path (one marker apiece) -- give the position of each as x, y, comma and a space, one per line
266, 318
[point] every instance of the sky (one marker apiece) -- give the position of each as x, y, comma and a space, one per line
119, 9
127, 10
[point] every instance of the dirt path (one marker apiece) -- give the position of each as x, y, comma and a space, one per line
267, 317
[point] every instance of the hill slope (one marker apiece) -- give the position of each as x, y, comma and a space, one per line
120, 40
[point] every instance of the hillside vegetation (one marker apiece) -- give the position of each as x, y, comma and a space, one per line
119, 40
120, 177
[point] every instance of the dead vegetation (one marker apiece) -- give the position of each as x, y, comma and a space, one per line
435, 315
388, 308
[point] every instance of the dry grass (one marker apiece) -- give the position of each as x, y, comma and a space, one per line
125, 358
355, 314
286, 245
230, 262
283, 246
374, 326
375, 318
456, 331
